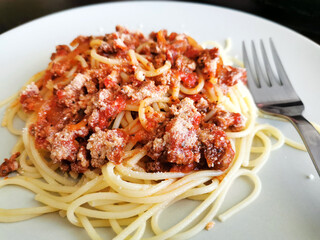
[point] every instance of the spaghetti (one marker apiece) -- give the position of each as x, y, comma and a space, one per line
122, 126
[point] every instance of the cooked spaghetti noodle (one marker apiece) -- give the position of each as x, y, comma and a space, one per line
122, 126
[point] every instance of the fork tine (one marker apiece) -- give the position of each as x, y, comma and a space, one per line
271, 76
283, 77
252, 83
261, 79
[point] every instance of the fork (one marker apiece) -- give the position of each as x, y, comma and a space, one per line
274, 95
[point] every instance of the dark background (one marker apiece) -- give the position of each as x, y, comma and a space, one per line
302, 16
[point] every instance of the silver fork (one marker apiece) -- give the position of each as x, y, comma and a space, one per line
276, 96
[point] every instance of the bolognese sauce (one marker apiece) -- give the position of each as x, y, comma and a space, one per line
86, 87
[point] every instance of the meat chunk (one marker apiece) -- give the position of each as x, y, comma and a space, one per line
82, 157
208, 61
64, 146
154, 120
107, 146
156, 166
216, 147
82, 163
132, 39
90, 86
61, 50
202, 105
31, 89
147, 89
52, 118
181, 134
122, 40
230, 76
228, 120
156, 148
70, 93
105, 47
77, 83
167, 78
30, 98
104, 96
9, 165
211, 65
185, 64
159, 60
58, 69
180, 141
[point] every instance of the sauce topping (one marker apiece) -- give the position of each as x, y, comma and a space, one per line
86, 86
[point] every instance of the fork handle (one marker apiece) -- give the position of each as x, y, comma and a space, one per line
310, 137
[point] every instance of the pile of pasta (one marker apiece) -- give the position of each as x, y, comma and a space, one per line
126, 198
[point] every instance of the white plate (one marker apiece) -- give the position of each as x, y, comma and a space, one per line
289, 205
